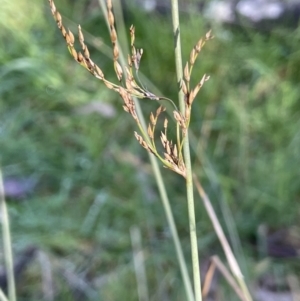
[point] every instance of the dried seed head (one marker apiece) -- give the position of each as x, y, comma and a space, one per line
145, 145
80, 35
118, 70
153, 119
186, 72
184, 87
195, 91
160, 110
163, 138
175, 153
128, 84
63, 31
191, 98
209, 36
168, 148
139, 53
180, 119
71, 37
113, 35
108, 84
116, 52
129, 61
108, 4
177, 116
99, 72
57, 17
168, 158
141, 141
110, 17
199, 45
52, 6
86, 52
74, 53
125, 109
150, 131
80, 57
193, 56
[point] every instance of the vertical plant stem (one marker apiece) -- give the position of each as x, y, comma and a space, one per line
7, 244
139, 263
187, 157
2, 296
233, 264
163, 194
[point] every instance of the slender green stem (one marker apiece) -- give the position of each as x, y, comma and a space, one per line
163, 195
7, 244
232, 262
2, 296
187, 157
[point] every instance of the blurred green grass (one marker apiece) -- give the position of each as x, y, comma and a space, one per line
92, 176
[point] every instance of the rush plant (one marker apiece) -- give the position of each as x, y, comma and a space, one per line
156, 137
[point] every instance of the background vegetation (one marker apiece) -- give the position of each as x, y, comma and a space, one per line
68, 140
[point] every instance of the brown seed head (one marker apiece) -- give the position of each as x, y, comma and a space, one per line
71, 37
160, 110
80, 35
163, 138
113, 35
52, 6
179, 118
125, 108
186, 72
168, 148
63, 31
193, 56
74, 53
110, 17
57, 17
199, 45
109, 4
79, 57
118, 70
150, 131
168, 157
153, 119
116, 52
86, 52
209, 36
175, 153
99, 72
184, 87
141, 141
108, 85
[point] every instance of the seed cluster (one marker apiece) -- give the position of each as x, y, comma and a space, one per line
128, 88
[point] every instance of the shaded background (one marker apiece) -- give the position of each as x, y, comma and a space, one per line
77, 181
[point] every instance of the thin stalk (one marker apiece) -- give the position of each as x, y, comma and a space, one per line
187, 157
2, 296
163, 193
233, 264
7, 245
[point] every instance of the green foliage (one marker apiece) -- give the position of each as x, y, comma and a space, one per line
93, 179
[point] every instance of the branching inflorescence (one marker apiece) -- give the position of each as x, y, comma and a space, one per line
128, 88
